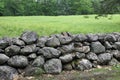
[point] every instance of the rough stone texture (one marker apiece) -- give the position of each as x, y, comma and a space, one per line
41, 42
92, 56
79, 55
18, 61
3, 43
110, 38
7, 73
38, 62
12, 50
29, 37
80, 37
104, 58
53, 66
65, 39
83, 64
92, 37
49, 52
53, 42
67, 67
117, 45
116, 54
97, 47
32, 56
17, 41
66, 48
107, 45
113, 62
3, 58
28, 49
66, 58
83, 49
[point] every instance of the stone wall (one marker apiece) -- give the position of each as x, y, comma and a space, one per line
30, 53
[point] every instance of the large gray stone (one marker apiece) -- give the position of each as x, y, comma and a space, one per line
92, 37
38, 62
80, 37
53, 66
97, 47
3, 58
116, 54
49, 52
7, 73
3, 43
83, 49
12, 50
28, 49
117, 45
66, 48
53, 42
83, 64
41, 41
64, 39
17, 41
29, 37
104, 58
113, 62
66, 58
107, 45
110, 38
18, 61
92, 56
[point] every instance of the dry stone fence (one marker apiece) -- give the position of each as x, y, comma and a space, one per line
30, 53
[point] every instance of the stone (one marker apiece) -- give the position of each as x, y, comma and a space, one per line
33, 71
18, 42
28, 49
65, 39
53, 66
49, 52
97, 47
83, 49
80, 38
117, 45
66, 58
113, 62
66, 48
3, 58
79, 55
29, 37
92, 56
38, 62
32, 56
86, 43
3, 43
92, 37
110, 38
67, 67
78, 44
83, 64
107, 45
52, 42
104, 58
12, 50
41, 42
7, 73
116, 54
18, 61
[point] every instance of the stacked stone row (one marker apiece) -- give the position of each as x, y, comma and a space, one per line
29, 53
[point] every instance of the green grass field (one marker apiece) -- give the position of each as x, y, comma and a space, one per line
46, 25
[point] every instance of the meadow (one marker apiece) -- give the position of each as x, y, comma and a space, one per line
47, 25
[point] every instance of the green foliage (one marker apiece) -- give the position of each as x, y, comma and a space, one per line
57, 7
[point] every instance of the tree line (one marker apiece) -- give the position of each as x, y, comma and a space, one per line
57, 7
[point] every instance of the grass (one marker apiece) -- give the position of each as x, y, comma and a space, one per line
47, 25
